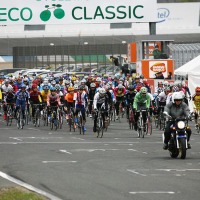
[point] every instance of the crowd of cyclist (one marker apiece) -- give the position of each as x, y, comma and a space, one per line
93, 92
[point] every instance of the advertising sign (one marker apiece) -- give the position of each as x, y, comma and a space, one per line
157, 66
76, 11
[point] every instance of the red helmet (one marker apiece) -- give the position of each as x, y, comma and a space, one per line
34, 86
197, 89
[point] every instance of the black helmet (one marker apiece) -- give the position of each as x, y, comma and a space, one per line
131, 88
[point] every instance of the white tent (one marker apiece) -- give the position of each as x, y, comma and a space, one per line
191, 66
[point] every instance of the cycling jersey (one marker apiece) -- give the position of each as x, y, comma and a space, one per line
53, 99
44, 95
69, 97
34, 97
196, 101
80, 99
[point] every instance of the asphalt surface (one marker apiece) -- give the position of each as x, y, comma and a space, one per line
118, 166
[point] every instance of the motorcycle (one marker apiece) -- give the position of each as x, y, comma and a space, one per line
178, 144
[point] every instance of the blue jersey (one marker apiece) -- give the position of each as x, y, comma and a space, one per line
22, 96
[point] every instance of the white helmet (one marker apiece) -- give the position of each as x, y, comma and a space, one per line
166, 83
10, 88
92, 85
75, 87
102, 91
83, 81
120, 86
177, 96
98, 79
67, 82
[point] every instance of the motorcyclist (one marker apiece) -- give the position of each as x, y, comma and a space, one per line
176, 109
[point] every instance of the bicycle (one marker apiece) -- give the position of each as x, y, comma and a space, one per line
161, 119
80, 123
121, 111
37, 115
9, 114
70, 120
45, 116
141, 125
149, 124
100, 121
131, 119
20, 118
54, 122
60, 117
197, 127
112, 113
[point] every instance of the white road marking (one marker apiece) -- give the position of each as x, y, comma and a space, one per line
92, 150
35, 129
78, 138
73, 161
132, 150
42, 138
152, 192
65, 151
15, 138
133, 171
73, 142
27, 186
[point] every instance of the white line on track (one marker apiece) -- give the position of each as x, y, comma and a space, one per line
72, 142
27, 186
153, 192
73, 161
65, 151
133, 171
15, 138
34, 129
77, 138
43, 138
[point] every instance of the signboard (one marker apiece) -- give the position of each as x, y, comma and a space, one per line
178, 15
157, 66
76, 11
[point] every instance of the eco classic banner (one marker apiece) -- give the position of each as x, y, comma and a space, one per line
76, 11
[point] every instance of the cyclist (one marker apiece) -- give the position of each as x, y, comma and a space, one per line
44, 93
91, 94
119, 92
80, 99
159, 88
130, 95
141, 102
69, 101
162, 97
53, 100
35, 98
100, 99
22, 97
196, 104
176, 108
9, 98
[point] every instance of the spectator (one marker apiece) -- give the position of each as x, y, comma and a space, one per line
159, 75
169, 75
156, 52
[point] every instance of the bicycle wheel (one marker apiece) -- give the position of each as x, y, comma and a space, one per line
38, 118
149, 126
139, 129
60, 120
80, 125
98, 126
142, 127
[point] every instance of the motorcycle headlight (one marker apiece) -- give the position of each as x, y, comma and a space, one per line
181, 124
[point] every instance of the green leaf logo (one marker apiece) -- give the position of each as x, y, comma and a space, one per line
58, 12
